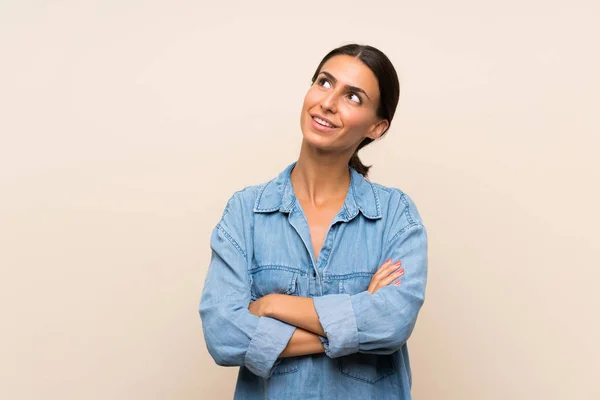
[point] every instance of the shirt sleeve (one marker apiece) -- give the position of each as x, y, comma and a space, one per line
382, 322
234, 336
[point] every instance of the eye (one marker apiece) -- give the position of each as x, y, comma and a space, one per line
321, 80
357, 98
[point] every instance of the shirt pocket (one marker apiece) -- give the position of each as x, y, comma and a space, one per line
272, 279
367, 368
275, 279
354, 283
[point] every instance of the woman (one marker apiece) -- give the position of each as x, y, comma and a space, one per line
303, 290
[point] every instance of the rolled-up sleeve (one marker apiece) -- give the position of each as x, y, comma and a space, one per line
234, 336
382, 322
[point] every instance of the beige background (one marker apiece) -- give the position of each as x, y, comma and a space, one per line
126, 125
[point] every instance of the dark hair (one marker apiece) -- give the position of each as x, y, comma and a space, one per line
389, 88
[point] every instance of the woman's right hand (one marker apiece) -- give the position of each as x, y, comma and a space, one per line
386, 274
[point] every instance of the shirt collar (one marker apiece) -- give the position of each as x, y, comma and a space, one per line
278, 194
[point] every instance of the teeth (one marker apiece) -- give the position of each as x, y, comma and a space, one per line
323, 122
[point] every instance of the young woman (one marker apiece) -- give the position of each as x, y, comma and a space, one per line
317, 276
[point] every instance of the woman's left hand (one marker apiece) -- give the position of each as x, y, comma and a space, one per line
260, 307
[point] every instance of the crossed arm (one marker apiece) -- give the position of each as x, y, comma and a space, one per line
301, 313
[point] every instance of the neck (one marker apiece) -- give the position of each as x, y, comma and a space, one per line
320, 178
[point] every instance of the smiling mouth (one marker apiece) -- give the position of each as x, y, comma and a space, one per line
322, 122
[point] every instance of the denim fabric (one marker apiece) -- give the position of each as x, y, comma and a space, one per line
262, 245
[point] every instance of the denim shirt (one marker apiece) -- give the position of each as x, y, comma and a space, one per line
262, 245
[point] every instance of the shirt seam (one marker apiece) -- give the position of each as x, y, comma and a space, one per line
407, 204
404, 229
232, 240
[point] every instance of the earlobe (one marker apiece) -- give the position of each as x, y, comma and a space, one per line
378, 129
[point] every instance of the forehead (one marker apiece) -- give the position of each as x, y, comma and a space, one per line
350, 70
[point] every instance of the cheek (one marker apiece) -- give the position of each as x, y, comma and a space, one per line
306, 106
311, 98
356, 120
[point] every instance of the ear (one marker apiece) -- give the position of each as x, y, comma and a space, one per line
378, 129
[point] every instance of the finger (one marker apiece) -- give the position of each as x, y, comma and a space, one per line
381, 271
387, 280
390, 269
387, 263
384, 271
386, 268
372, 284
392, 277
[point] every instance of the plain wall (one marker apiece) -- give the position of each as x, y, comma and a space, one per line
126, 125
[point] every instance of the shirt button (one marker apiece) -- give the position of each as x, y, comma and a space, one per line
314, 274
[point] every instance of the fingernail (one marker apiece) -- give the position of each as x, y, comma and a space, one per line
388, 260
397, 263
397, 283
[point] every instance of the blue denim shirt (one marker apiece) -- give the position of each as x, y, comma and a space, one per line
262, 245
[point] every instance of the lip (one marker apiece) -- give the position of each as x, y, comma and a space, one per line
324, 119
317, 126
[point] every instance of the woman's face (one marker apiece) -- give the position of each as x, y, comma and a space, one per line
346, 95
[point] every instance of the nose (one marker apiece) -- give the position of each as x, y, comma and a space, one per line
329, 102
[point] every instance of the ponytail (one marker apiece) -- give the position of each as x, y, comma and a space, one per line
355, 160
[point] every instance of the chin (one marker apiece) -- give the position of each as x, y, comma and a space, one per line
317, 140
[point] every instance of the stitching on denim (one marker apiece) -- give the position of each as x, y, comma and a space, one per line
327, 278
293, 287
407, 227
408, 210
232, 240
291, 205
346, 212
262, 189
361, 378
384, 188
277, 267
377, 204
280, 370
267, 209
253, 295
350, 216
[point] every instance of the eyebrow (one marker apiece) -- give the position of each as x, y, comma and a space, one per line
354, 88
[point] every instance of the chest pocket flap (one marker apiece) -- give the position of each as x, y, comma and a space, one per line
273, 279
